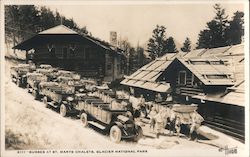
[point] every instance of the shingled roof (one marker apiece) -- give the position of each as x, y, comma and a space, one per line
218, 66
234, 95
146, 76
209, 71
63, 30
60, 29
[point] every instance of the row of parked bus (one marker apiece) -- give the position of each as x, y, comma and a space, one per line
70, 94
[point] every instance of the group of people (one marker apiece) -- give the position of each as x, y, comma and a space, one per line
160, 119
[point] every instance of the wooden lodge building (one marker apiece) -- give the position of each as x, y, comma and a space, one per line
64, 48
212, 78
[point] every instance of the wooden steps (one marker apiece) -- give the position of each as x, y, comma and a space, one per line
228, 132
227, 126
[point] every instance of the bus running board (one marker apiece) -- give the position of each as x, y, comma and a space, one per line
97, 125
52, 104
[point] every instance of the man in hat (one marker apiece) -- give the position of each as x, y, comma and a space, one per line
178, 125
158, 98
142, 107
197, 119
159, 122
172, 120
169, 98
151, 116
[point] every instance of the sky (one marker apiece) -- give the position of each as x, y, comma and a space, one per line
136, 21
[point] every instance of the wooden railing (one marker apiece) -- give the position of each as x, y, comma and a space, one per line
189, 91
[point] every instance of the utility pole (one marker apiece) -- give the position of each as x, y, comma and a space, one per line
128, 63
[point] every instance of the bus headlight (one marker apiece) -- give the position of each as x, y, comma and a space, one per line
70, 98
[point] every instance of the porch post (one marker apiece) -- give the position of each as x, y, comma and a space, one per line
27, 56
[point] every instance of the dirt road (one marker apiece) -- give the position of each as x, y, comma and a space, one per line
29, 125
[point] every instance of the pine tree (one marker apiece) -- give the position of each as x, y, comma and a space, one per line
125, 46
70, 23
132, 60
156, 42
220, 25
140, 56
214, 36
83, 30
204, 40
21, 22
28, 20
12, 26
24, 21
57, 18
235, 30
170, 46
47, 18
186, 45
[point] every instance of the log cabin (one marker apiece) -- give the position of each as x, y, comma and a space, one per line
211, 78
65, 48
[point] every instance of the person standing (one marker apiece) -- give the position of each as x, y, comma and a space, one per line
128, 106
142, 106
151, 116
196, 120
141, 101
159, 123
169, 98
158, 98
178, 125
172, 120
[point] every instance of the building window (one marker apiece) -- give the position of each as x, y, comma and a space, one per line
72, 53
72, 49
182, 77
50, 46
52, 50
65, 52
72, 46
109, 67
217, 76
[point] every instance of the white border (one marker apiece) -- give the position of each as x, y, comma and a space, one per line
152, 152
247, 50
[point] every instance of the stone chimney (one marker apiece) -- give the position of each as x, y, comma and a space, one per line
113, 38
